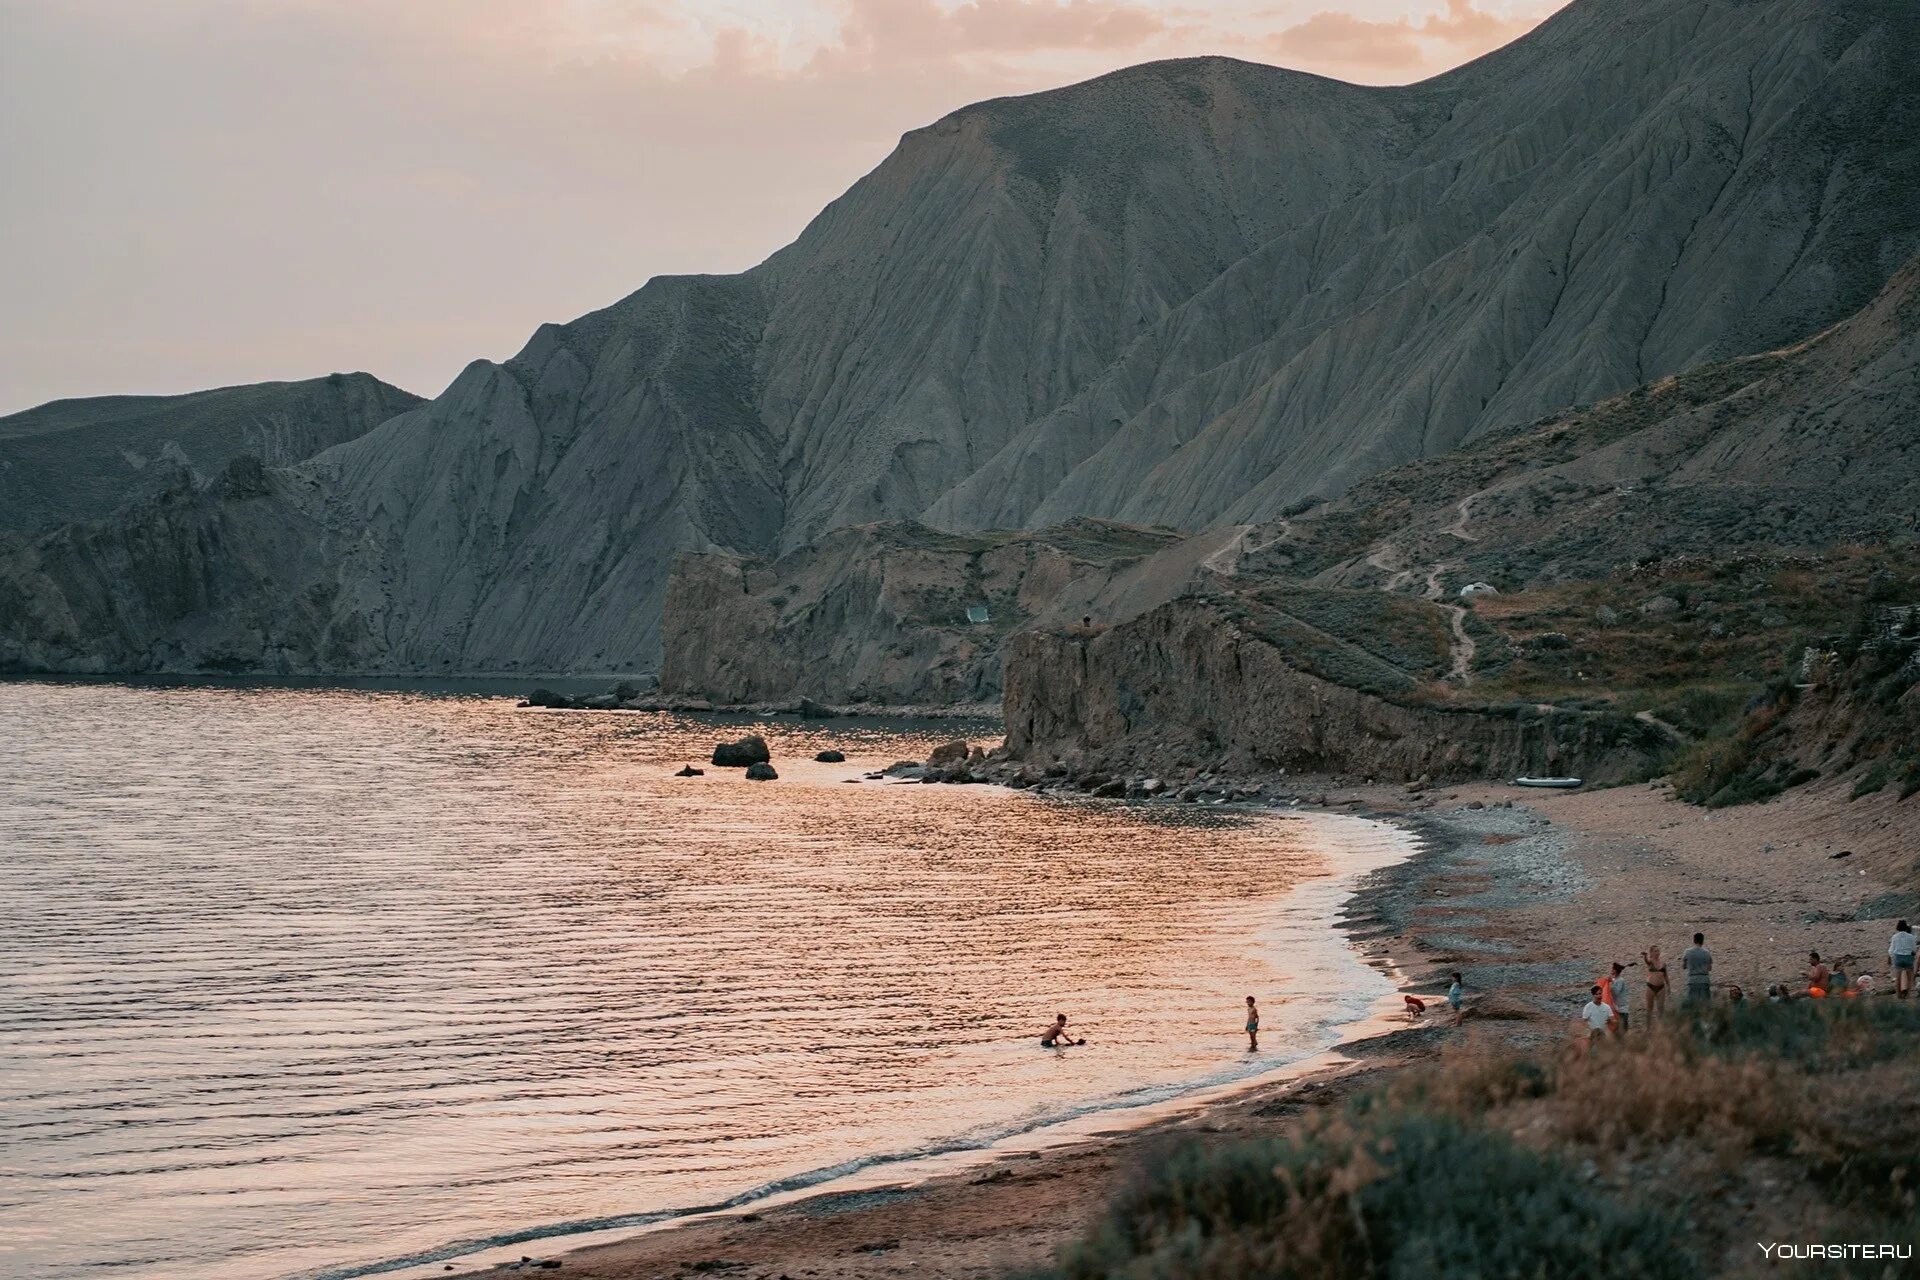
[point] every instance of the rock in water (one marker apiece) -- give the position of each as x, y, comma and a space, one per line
689, 771
830, 757
761, 772
811, 710
947, 755
750, 750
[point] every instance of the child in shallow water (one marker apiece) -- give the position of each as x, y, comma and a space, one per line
1055, 1036
1253, 1026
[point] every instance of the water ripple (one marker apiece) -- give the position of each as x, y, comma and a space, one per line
303, 979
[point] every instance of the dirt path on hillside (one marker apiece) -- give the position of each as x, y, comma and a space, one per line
1463, 649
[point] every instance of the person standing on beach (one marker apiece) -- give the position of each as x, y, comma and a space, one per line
1900, 953
1456, 994
1656, 982
1596, 1015
1697, 962
1618, 988
1253, 1026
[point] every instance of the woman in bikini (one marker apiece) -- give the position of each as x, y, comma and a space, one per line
1656, 982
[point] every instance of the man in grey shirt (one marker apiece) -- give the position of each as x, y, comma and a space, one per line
1697, 961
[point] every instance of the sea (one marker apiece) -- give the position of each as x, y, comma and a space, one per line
335, 982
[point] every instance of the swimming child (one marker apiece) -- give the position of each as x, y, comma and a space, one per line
1055, 1036
1253, 1026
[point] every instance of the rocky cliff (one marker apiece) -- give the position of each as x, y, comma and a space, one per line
1184, 294
1812, 445
80, 459
1217, 684
880, 613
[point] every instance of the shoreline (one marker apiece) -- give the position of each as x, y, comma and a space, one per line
1148, 1108
1530, 899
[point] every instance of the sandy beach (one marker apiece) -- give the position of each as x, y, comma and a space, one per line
1531, 894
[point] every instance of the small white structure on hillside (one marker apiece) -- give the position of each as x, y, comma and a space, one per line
977, 613
1479, 589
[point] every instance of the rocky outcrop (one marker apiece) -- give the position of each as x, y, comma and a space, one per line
81, 459
1187, 294
1191, 684
241, 574
899, 614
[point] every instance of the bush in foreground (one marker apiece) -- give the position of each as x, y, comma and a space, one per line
1800, 1121
1381, 1192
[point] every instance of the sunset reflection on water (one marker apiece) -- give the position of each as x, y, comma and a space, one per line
307, 978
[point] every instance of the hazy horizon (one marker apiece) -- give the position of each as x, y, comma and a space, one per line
254, 191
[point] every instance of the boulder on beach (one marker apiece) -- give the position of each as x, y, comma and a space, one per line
688, 771
749, 750
548, 698
830, 757
947, 754
761, 771
811, 710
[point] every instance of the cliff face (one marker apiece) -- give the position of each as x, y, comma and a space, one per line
879, 613
1184, 294
1811, 445
80, 459
1189, 684
240, 574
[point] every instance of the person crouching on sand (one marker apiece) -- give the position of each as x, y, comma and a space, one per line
1253, 1026
1818, 976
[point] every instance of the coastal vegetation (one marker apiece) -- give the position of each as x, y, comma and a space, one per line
1654, 1155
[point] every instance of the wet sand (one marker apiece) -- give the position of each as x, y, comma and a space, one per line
1531, 902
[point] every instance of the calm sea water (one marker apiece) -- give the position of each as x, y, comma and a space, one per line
310, 981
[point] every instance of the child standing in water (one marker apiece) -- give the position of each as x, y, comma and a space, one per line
1253, 1026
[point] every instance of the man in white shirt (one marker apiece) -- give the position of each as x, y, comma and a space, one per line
1900, 952
1596, 1015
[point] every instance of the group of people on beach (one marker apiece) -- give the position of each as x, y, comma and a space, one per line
1607, 1009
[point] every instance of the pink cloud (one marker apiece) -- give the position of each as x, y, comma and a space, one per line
1339, 43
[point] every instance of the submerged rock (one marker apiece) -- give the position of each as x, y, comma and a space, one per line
749, 750
688, 771
761, 771
830, 757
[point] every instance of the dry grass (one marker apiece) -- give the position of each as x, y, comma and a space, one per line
1800, 1118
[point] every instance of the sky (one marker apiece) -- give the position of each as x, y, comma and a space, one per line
196, 193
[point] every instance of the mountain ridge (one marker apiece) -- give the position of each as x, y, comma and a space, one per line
1187, 294
81, 457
